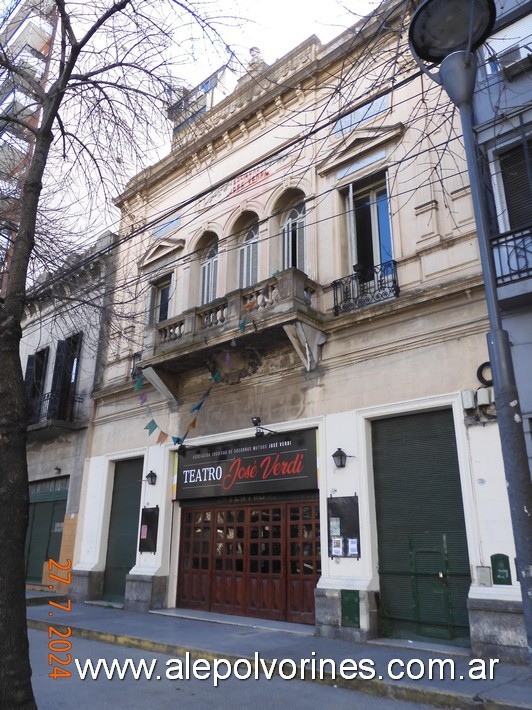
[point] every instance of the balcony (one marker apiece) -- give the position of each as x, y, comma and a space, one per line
512, 255
54, 412
261, 316
365, 286
35, 32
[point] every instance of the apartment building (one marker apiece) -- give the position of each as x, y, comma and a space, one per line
26, 37
294, 420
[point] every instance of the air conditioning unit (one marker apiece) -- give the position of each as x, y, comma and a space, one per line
515, 61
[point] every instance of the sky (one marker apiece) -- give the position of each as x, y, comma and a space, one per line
275, 27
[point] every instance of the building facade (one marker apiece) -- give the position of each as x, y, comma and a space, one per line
301, 279
63, 329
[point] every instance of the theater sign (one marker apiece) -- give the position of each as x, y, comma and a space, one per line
274, 463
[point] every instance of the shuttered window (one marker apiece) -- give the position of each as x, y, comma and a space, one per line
516, 172
61, 405
34, 381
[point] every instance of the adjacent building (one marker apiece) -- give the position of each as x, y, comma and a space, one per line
294, 420
64, 327
503, 115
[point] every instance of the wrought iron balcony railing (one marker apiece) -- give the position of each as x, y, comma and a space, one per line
55, 406
512, 254
365, 286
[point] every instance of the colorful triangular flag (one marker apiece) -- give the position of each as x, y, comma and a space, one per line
197, 406
151, 426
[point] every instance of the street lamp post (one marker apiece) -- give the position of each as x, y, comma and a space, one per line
447, 32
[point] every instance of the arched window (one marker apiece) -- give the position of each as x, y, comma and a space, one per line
249, 257
209, 273
293, 231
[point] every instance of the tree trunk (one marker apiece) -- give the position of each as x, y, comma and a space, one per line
15, 677
15, 684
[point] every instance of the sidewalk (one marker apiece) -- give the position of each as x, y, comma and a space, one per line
176, 632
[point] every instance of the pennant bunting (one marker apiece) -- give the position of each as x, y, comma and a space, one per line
138, 384
143, 398
176, 440
193, 423
242, 324
197, 406
163, 436
151, 426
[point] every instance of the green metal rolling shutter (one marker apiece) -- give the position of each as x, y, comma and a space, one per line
123, 528
421, 527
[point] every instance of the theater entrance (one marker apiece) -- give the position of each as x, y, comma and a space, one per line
259, 560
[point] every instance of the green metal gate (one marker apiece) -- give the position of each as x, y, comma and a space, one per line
123, 528
48, 501
423, 560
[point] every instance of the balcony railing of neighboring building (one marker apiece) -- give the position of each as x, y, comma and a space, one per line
55, 406
512, 253
291, 290
365, 286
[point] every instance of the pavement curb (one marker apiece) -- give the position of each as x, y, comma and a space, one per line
45, 599
377, 687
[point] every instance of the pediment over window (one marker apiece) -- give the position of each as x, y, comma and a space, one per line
161, 250
363, 141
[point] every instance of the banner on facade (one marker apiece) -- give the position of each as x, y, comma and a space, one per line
273, 463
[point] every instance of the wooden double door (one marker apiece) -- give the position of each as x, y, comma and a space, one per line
251, 560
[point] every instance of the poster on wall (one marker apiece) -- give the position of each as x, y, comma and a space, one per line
270, 464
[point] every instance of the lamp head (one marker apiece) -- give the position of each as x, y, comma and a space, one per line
151, 477
440, 27
339, 458
255, 421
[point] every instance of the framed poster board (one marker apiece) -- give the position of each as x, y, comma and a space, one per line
343, 526
149, 525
